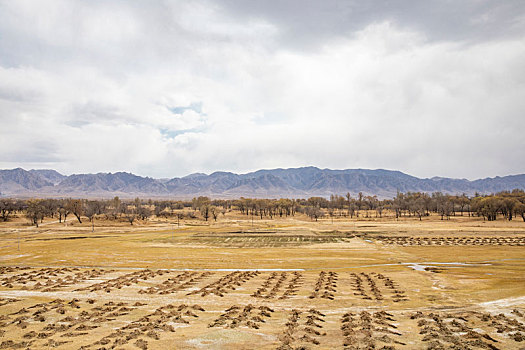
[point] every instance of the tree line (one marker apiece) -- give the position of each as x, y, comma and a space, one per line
506, 204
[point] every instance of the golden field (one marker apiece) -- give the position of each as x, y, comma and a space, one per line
286, 283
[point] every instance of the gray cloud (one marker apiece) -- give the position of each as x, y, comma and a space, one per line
311, 22
168, 88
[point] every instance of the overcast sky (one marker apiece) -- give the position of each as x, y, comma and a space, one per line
168, 88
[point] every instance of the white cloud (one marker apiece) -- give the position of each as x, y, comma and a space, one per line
100, 86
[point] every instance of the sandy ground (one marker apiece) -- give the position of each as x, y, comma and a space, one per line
284, 283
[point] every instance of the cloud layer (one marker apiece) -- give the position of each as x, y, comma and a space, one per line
168, 88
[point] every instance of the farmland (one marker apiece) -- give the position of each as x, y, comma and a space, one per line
285, 283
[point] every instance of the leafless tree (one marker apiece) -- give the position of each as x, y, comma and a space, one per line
35, 211
519, 209
130, 213
214, 212
7, 206
205, 211
93, 208
76, 207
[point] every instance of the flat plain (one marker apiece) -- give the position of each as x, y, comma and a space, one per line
286, 283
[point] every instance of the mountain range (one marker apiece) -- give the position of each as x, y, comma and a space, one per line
276, 183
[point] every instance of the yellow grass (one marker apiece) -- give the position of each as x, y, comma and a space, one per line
486, 279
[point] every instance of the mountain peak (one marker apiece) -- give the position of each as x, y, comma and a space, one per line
300, 182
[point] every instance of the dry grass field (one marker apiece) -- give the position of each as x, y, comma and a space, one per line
288, 283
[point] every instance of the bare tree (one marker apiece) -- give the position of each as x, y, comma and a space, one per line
35, 211
92, 208
180, 216
7, 206
205, 211
508, 205
130, 213
63, 212
143, 212
76, 207
314, 212
359, 202
331, 213
418, 207
214, 212
197, 203
519, 209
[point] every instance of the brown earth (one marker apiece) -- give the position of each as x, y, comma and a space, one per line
286, 283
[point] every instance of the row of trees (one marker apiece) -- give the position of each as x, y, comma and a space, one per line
412, 204
508, 204
37, 209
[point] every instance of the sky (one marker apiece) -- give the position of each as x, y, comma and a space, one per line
169, 88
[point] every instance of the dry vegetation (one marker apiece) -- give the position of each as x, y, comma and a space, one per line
242, 282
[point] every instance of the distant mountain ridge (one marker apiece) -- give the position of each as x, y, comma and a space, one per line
275, 183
